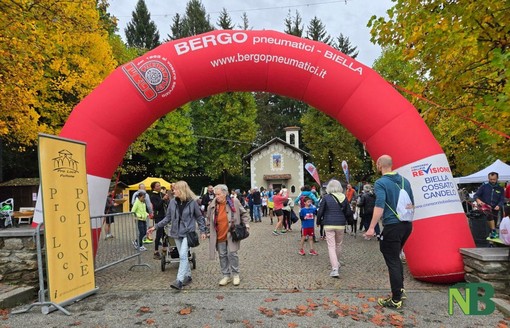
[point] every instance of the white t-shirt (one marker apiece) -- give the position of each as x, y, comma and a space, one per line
504, 230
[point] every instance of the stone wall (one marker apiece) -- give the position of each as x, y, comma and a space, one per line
491, 265
18, 257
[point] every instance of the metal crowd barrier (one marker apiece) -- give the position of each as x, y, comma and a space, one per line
118, 248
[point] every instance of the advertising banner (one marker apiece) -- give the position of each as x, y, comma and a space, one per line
65, 202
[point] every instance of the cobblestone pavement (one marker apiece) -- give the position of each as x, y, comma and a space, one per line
279, 288
267, 262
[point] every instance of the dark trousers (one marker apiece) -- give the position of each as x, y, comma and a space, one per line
394, 236
142, 231
160, 233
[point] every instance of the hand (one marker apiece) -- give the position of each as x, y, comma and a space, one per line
369, 233
150, 230
203, 236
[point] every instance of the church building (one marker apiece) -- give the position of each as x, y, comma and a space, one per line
279, 163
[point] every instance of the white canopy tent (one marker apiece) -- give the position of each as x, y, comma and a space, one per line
498, 166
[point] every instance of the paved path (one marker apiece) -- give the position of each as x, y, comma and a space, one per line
279, 288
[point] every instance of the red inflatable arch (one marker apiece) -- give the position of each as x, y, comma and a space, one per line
141, 91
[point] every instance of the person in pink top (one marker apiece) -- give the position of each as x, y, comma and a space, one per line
279, 198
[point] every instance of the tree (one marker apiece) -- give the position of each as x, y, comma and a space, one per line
316, 31
246, 23
172, 149
52, 54
142, 32
294, 25
227, 121
344, 45
329, 142
463, 52
224, 21
196, 20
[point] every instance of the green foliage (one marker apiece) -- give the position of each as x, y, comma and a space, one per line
330, 144
224, 119
171, 145
294, 24
460, 51
224, 21
142, 32
316, 31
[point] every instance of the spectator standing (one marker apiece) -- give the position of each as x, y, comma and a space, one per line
140, 210
257, 204
395, 232
490, 196
366, 204
159, 203
108, 220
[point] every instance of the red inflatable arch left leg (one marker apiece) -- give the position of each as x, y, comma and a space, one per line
139, 92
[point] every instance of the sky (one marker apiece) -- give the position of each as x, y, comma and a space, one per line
349, 17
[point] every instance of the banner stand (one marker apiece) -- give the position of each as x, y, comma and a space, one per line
47, 307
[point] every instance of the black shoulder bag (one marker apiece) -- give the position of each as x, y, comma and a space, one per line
238, 231
191, 236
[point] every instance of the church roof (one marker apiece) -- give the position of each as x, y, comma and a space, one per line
276, 140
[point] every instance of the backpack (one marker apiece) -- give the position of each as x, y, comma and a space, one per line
401, 212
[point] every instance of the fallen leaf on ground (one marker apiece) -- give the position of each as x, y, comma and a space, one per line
185, 311
292, 325
270, 300
220, 297
150, 321
145, 309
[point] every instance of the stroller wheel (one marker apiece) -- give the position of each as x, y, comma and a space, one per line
163, 262
193, 261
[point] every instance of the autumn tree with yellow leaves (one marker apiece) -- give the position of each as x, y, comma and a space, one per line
52, 54
459, 51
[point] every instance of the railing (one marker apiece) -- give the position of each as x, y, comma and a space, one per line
119, 247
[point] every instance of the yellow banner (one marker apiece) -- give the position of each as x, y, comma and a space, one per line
69, 254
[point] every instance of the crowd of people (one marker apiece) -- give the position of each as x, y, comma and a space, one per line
332, 211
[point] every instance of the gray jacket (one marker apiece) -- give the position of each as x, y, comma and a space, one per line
191, 215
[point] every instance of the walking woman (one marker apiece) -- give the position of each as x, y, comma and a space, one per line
183, 213
222, 213
333, 210
279, 198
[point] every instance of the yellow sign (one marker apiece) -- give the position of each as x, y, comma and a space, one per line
69, 254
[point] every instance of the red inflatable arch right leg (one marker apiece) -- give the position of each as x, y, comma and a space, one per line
141, 91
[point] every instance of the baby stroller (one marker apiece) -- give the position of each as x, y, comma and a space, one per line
6, 209
172, 253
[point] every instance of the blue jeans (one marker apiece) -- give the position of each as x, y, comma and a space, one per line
256, 212
142, 231
184, 267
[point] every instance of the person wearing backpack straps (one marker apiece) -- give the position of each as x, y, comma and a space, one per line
395, 232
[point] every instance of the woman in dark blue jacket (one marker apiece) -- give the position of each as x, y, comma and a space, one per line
332, 213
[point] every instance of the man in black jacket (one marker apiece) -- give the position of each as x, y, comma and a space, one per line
159, 204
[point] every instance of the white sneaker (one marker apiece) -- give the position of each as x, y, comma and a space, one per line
236, 281
334, 273
142, 249
225, 281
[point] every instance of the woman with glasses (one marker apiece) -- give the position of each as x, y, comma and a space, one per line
222, 213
